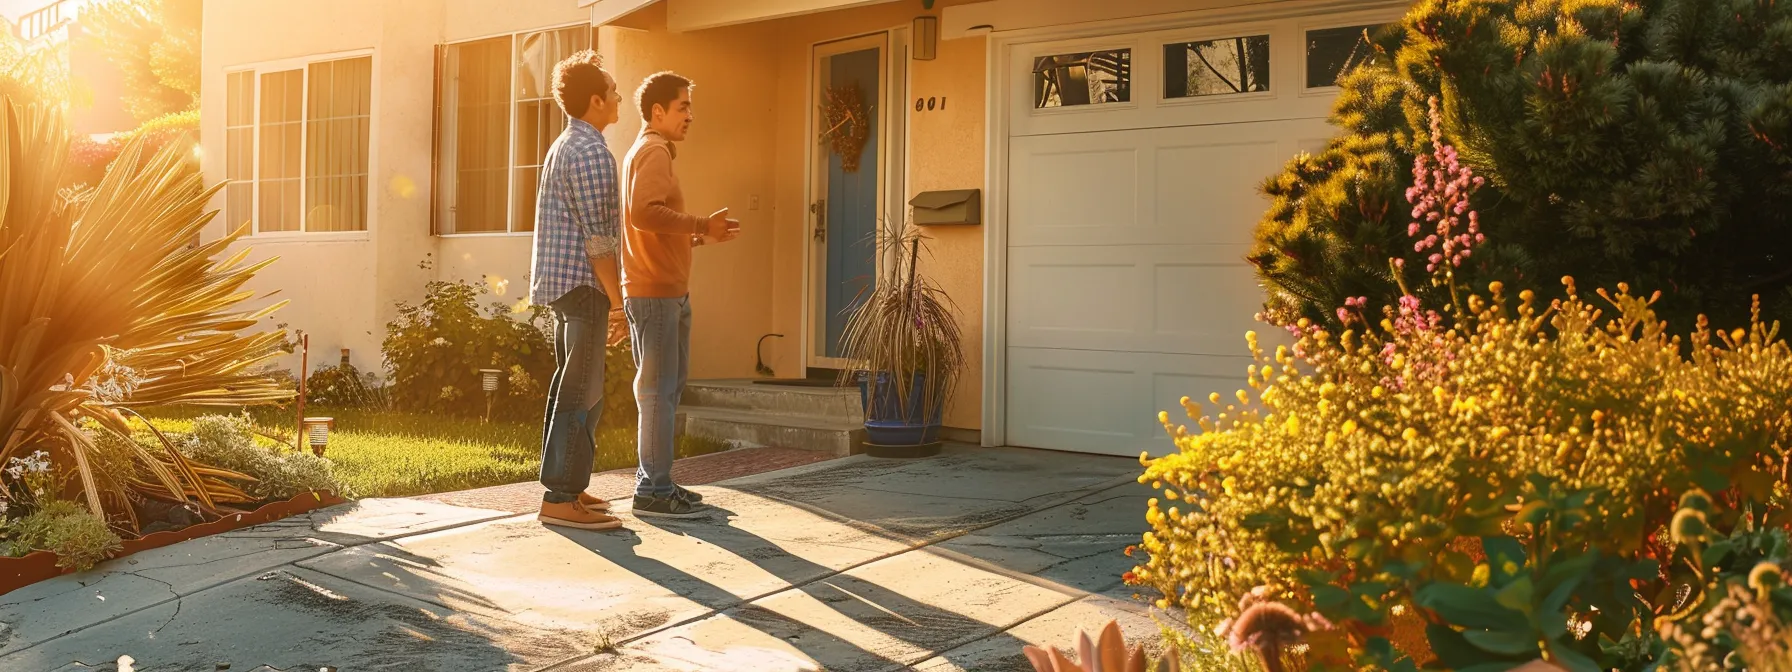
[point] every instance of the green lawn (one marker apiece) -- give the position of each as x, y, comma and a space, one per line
391, 454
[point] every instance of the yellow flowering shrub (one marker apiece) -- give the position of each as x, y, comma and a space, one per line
1346, 477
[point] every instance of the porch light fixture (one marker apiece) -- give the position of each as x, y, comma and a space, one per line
927, 37
489, 382
317, 433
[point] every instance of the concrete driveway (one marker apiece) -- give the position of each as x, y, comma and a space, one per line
946, 563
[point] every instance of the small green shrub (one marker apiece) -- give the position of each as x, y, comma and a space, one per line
344, 386
77, 537
114, 458
435, 349
1736, 612
228, 442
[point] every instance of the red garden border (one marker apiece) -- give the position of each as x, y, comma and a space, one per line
16, 573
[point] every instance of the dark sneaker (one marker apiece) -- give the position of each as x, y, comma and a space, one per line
668, 507
691, 496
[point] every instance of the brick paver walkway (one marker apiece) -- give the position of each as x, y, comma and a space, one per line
619, 484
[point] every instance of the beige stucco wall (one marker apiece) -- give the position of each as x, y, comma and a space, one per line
945, 151
340, 287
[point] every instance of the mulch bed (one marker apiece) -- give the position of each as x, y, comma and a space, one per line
16, 573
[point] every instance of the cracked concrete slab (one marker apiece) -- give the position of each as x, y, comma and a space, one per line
1079, 545
623, 582
862, 564
881, 616
119, 587
53, 608
962, 489
373, 519
292, 619
1056, 628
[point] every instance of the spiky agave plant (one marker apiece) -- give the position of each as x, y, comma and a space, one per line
107, 306
905, 327
1106, 652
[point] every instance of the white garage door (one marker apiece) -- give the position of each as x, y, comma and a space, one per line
1129, 217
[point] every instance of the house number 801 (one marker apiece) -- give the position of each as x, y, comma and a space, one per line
927, 104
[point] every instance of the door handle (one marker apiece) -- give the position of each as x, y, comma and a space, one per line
820, 209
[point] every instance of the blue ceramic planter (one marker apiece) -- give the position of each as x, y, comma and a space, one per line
889, 423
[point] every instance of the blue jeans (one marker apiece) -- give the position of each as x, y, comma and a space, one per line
661, 332
576, 394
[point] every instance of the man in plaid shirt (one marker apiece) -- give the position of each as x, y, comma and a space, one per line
574, 271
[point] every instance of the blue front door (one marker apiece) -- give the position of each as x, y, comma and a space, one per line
851, 225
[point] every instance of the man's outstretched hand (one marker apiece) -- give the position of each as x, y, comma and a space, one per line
720, 228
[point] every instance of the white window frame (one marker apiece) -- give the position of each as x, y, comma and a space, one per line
1133, 48
303, 64
1219, 33
510, 164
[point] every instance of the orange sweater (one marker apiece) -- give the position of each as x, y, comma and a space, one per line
657, 234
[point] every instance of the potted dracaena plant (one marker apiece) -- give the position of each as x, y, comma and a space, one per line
906, 351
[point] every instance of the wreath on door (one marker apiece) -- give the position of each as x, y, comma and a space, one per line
848, 123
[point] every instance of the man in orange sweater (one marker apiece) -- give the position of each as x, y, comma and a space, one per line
656, 274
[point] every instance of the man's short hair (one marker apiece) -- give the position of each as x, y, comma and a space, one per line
577, 79
660, 88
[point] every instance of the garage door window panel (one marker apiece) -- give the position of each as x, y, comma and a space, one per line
1332, 53
1083, 78
1219, 67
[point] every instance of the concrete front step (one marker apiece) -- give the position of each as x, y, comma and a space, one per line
831, 403
833, 435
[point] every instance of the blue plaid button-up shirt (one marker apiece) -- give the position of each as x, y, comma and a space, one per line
577, 213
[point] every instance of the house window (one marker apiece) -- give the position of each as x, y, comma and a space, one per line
1087, 78
339, 116
1333, 52
239, 139
497, 118
1216, 67
297, 140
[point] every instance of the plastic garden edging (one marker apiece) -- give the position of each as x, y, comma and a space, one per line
16, 573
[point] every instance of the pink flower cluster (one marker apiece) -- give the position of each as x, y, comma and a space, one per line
1439, 194
1352, 309
1420, 333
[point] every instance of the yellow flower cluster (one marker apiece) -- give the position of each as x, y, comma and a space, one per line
1373, 448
